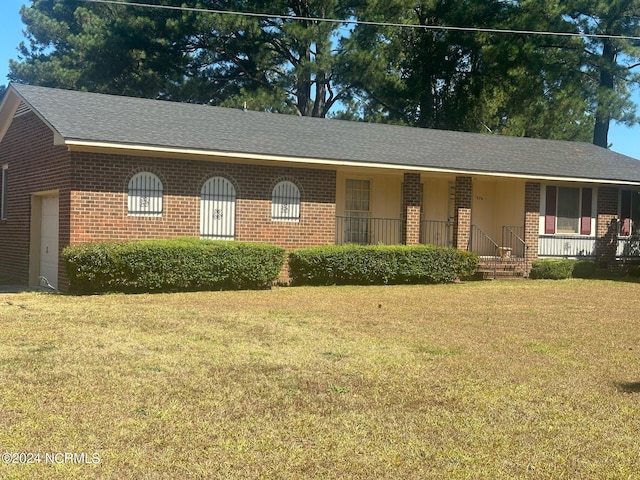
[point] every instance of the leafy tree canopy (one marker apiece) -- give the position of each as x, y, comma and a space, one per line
611, 65
276, 64
292, 62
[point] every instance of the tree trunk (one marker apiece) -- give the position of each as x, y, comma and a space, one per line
304, 82
603, 117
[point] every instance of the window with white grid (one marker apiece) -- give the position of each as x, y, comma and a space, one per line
357, 205
285, 202
145, 195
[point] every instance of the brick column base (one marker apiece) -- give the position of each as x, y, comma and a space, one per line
462, 230
531, 221
411, 193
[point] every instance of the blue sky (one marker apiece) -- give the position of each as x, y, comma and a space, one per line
624, 139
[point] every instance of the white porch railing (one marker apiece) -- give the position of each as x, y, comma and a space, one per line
628, 247
566, 246
569, 246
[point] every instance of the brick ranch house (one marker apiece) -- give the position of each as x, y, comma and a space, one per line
79, 167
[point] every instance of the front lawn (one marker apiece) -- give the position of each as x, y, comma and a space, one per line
531, 379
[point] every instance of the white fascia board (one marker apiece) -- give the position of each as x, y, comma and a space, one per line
80, 145
8, 109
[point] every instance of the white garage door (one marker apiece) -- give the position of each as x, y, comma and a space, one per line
49, 241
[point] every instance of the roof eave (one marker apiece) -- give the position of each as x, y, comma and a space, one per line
138, 149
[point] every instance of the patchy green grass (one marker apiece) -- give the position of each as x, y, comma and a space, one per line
481, 380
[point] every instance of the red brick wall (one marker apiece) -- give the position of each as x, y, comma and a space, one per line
462, 232
34, 165
411, 193
99, 206
531, 220
96, 207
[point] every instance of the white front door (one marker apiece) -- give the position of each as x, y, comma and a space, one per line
49, 241
218, 209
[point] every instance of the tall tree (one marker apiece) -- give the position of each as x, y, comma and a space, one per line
487, 82
100, 47
293, 62
612, 64
275, 63
420, 76
535, 87
286, 62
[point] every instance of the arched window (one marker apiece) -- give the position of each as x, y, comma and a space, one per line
285, 202
218, 209
145, 195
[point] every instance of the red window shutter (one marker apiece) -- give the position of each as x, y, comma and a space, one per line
625, 213
550, 210
625, 227
585, 215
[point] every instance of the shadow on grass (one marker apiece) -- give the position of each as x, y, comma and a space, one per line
628, 387
617, 278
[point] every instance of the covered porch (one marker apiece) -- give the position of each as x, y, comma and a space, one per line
506, 221
395, 209
438, 210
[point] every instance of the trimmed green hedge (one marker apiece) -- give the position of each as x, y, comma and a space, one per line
171, 265
584, 269
559, 269
379, 265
